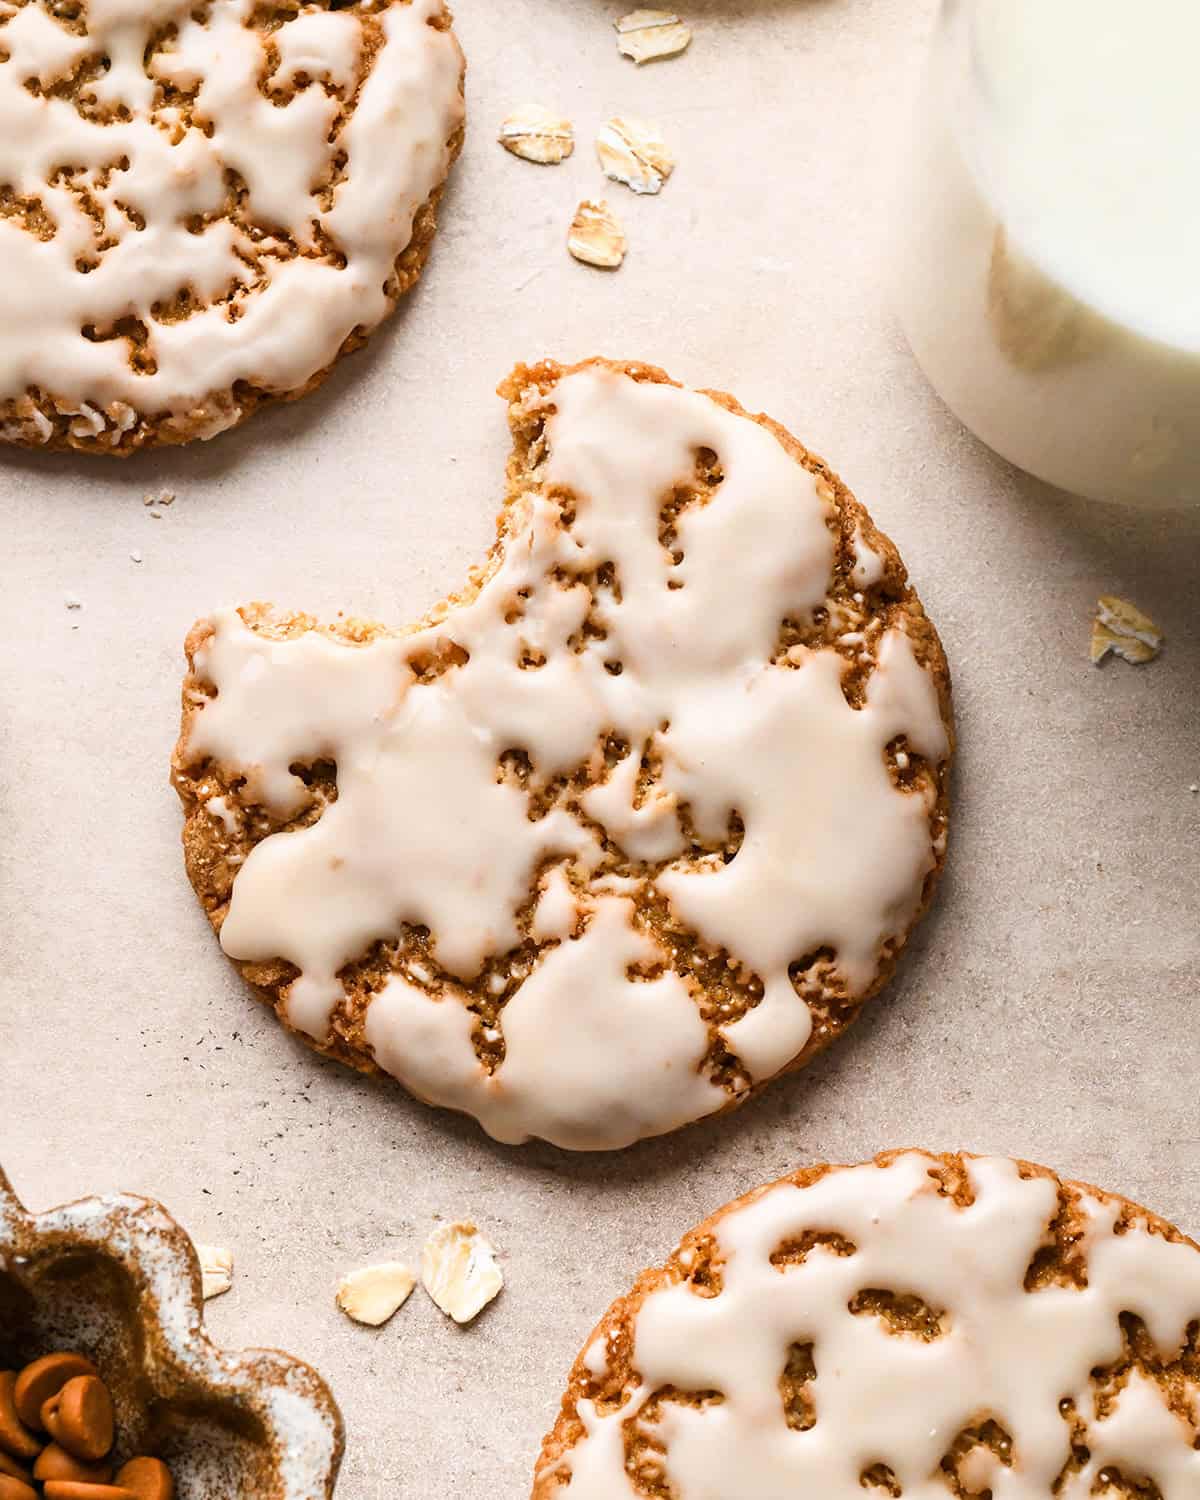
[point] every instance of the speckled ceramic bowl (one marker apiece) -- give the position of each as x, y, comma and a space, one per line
118, 1279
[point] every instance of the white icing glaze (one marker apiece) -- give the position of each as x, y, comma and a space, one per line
295, 312
587, 1051
227, 816
425, 830
880, 1397
868, 565
556, 913
323, 44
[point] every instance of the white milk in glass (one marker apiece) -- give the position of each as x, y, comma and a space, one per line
1049, 238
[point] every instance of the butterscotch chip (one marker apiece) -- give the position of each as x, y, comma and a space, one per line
15, 1438
10, 1468
56, 1463
459, 1270
147, 1479
634, 152
596, 236
37, 1382
79, 1418
645, 35
230, 198
537, 134
919, 1324
373, 1293
72, 1489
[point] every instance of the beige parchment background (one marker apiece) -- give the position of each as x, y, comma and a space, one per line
1049, 1006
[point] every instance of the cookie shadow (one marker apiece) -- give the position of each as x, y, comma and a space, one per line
780, 1126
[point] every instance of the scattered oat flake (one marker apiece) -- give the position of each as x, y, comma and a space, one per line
634, 152
72, 603
1121, 628
535, 133
459, 1270
135, 557
646, 35
596, 236
1128, 647
216, 1269
1127, 619
373, 1293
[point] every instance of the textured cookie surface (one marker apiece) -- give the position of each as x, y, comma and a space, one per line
921, 1327
634, 823
203, 204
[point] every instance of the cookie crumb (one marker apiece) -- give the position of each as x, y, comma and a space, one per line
159, 497
633, 152
646, 35
372, 1294
537, 134
72, 603
135, 556
1123, 629
459, 1270
596, 236
216, 1270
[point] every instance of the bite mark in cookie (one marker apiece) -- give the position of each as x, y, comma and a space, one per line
921, 1326
202, 206
635, 822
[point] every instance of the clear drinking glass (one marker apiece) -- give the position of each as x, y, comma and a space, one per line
1049, 243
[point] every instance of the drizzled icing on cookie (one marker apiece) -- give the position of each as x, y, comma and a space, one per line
892, 1347
192, 201
587, 1051
591, 633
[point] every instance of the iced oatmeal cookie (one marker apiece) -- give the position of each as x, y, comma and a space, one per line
202, 205
921, 1326
636, 821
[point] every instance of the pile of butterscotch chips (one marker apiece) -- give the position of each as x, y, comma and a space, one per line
57, 1433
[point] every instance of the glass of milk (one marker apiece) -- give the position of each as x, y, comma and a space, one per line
1050, 239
